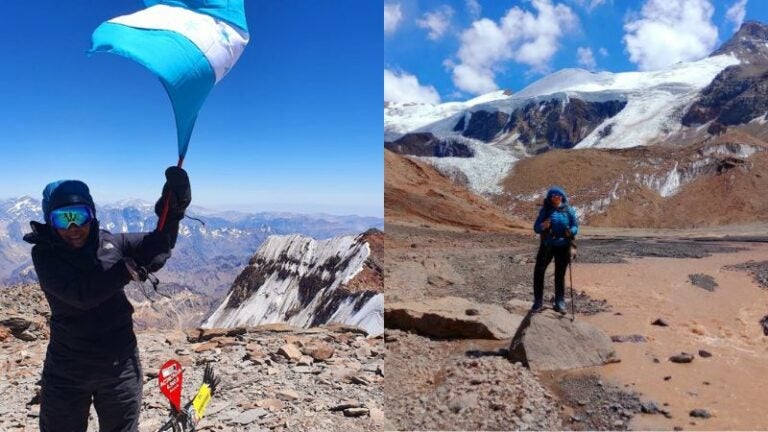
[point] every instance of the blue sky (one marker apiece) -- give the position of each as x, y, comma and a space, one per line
442, 50
295, 126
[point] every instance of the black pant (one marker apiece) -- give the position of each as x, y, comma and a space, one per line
69, 386
562, 256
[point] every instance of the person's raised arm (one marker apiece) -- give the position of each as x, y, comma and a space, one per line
151, 250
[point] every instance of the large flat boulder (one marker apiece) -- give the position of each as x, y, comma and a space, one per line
548, 341
452, 318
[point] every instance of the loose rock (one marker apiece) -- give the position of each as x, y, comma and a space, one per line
250, 416
704, 281
320, 352
289, 351
635, 338
288, 394
546, 341
446, 318
355, 412
700, 413
681, 358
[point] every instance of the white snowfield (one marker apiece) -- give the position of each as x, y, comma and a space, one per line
484, 170
656, 101
277, 300
401, 118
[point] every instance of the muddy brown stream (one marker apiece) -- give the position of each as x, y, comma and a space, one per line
730, 384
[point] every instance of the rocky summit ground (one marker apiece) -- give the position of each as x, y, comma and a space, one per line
273, 377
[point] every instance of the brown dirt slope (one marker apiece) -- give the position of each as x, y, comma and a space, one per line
733, 197
731, 194
416, 193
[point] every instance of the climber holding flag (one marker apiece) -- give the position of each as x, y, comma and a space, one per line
92, 353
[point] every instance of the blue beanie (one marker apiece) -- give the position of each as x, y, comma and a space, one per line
63, 193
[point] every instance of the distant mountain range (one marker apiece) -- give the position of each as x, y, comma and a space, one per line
207, 258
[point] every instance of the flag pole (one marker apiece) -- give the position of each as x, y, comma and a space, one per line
167, 202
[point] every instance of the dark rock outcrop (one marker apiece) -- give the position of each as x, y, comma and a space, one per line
426, 144
542, 125
485, 125
747, 44
737, 95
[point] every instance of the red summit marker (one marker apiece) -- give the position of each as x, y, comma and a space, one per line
170, 378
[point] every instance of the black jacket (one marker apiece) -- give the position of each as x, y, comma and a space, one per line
91, 318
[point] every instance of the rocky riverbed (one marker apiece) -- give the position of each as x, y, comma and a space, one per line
705, 290
461, 385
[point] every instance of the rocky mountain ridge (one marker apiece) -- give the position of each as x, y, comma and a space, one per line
306, 282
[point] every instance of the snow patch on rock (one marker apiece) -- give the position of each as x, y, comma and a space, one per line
298, 280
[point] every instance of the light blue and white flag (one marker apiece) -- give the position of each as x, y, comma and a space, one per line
189, 44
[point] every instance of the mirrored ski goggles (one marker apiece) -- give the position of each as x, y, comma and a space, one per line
63, 218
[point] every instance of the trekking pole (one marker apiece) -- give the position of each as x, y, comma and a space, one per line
573, 303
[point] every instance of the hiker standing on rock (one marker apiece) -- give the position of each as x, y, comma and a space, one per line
92, 353
557, 225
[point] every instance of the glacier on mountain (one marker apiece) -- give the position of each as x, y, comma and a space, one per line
655, 103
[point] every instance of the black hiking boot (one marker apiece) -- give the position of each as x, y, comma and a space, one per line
560, 307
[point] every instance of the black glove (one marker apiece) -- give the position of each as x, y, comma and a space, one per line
153, 251
178, 187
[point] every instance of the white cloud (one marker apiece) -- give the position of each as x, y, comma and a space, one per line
437, 21
590, 4
603, 52
392, 17
736, 13
404, 87
670, 31
522, 36
586, 58
595, 3
474, 8
475, 81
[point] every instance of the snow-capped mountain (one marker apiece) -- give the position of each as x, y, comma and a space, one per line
401, 118
207, 256
698, 120
603, 109
306, 282
571, 108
